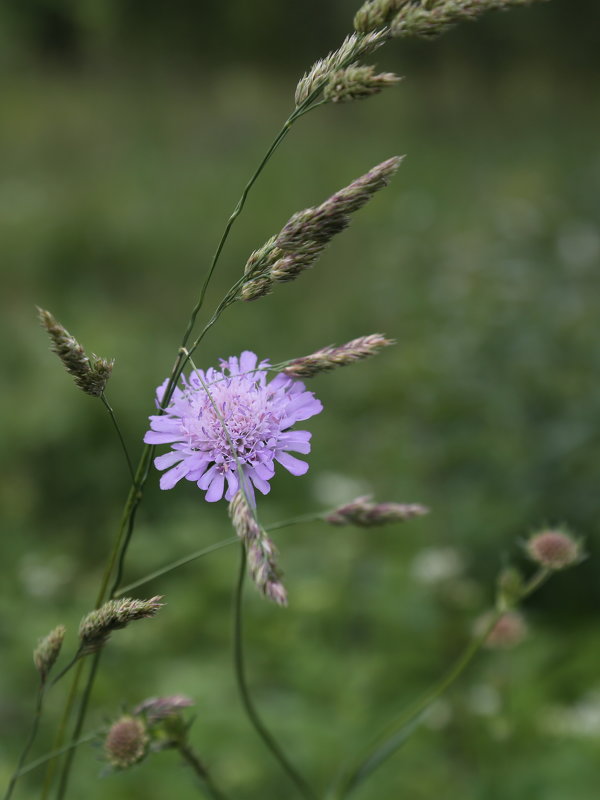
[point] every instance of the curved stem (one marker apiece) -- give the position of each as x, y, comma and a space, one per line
32, 734
181, 562
54, 753
240, 673
396, 732
378, 753
191, 758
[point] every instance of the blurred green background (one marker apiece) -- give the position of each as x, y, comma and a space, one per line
127, 133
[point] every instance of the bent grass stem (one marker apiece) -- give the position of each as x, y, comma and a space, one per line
181, 562
397, 732
126, 530
240, 674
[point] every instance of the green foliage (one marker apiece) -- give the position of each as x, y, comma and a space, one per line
481, 260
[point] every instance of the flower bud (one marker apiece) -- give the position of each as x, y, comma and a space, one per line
554, 549
508, 632
126, 742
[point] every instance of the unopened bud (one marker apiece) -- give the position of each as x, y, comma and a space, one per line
159, 708
126, 742
509, 631
554, 549
510, 587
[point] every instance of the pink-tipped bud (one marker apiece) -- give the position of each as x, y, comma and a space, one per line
159, 708
126, 742
554, 549
510, 630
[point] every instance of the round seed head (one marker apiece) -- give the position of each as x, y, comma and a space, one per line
126, 742
554, 549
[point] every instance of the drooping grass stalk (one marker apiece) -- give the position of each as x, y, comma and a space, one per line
398, 731
181, 562
240, 673
206, 781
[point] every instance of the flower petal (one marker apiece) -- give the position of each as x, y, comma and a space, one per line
292, 464
168, 459
173, 476
215, 490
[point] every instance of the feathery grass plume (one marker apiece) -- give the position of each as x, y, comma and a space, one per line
357, 82
126, 742
365, 514
91, 373
376, 14
430, 19
260, 550
96, 627
47, 651
555, 549
329, 358
306, 234
351, 49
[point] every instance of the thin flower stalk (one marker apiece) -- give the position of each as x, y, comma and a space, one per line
240, 672
397, 732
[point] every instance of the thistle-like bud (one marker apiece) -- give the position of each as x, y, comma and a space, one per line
96, 627
126, 742
155, 709
331, 357
352, 48
260, 550
357, 82
433, 19
365, 514
91, 374
554, 549
508, 632
47, 651
376, 14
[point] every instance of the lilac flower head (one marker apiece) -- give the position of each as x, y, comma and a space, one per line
239, 410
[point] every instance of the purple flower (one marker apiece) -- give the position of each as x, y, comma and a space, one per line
258, 417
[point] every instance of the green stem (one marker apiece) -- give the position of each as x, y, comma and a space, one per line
191, 758
181, 562
119, 434
32, 734
55, 753
64, 778
395, 733
240, 673
126, 531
